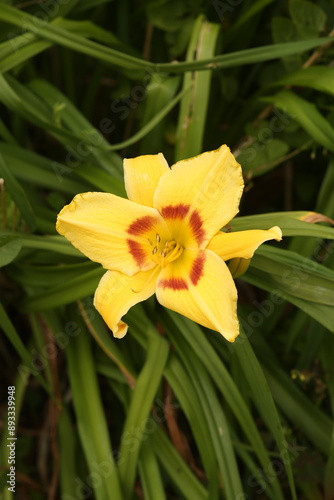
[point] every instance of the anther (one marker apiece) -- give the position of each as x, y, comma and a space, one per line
163, 253
150, 242
154, 251
158, 238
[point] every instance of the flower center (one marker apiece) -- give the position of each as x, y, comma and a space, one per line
164, 252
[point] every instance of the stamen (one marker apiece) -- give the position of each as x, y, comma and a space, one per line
165, 251
150, 242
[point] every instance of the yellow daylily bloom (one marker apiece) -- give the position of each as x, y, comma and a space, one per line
166, 239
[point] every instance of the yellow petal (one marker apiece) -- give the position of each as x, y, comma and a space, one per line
238, 266
242, 243
117, 292
141, 176
199, 285
202, 193
111, 230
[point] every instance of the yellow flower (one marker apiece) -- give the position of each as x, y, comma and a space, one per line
166, 239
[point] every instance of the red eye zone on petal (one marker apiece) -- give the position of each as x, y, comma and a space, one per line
196, 225
141, 225
174, 284
175, 211
136, 251
197, 269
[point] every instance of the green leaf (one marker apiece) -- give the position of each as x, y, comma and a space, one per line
186, 394
51, 31
166, 15
87, 134
67, 455
193, 110
308, 18
192, 405
114, 57
263, 399
6, 134
316, 77
296, 275
42, 276
215, 418
292, 401
307, 115
152, 123
247, 56
284, 31
246, 16
290, 223
29, 106
92, 425
150, 475
57, 244
175, 466
10, 247
138, 422
21, 349
190, 487
101, 180
323, 313
159, 92
260, 156
20, 49
58, 295
17, 98
30, 167
18, 195
97, 328
201, 348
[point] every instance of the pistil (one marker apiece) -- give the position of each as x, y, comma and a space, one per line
165, 252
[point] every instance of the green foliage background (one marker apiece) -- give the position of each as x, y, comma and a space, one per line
171, 411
